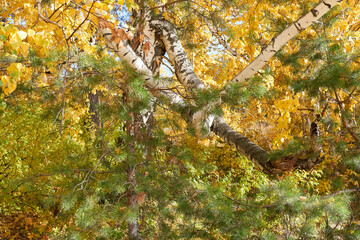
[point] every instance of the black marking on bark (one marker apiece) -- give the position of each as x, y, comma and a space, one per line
133, 60
190, 82
126, 53
327, 4
314, 12
272, 50
106, 34
298, 26
192, 74
181, 61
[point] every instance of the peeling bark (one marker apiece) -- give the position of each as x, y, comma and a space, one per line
183, 69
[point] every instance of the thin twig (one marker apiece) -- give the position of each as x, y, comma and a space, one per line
38, 3
87, 16
343, 120
167, 4
84, 183
343, 192
247, 205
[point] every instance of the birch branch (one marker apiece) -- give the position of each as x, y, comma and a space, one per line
280, 40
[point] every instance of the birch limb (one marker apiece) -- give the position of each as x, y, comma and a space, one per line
243, 144
280, 40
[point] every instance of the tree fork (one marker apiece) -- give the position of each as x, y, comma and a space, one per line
186, 76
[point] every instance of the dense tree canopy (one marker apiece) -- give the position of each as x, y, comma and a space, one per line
184, 119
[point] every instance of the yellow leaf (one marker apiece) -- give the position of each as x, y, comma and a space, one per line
5, 80
14, 70
348, 47
9, 85
24, 49
22, 35
31, 33
52, 28
9, 30
15, 42
343, 25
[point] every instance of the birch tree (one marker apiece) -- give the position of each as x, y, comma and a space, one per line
158, 29
154, 119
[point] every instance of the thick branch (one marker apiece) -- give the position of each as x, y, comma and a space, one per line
280, 40
187, 77
178, 57
244, 145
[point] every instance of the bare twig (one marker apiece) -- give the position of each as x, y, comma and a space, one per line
38, 3
343, 192
56, 10
343, 120
215, 33
84, 183
87, 16
168, 4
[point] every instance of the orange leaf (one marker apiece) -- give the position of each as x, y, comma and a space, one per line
140, 198
146, 48
122, 34
141, 38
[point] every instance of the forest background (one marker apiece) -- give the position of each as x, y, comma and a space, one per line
185, 119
